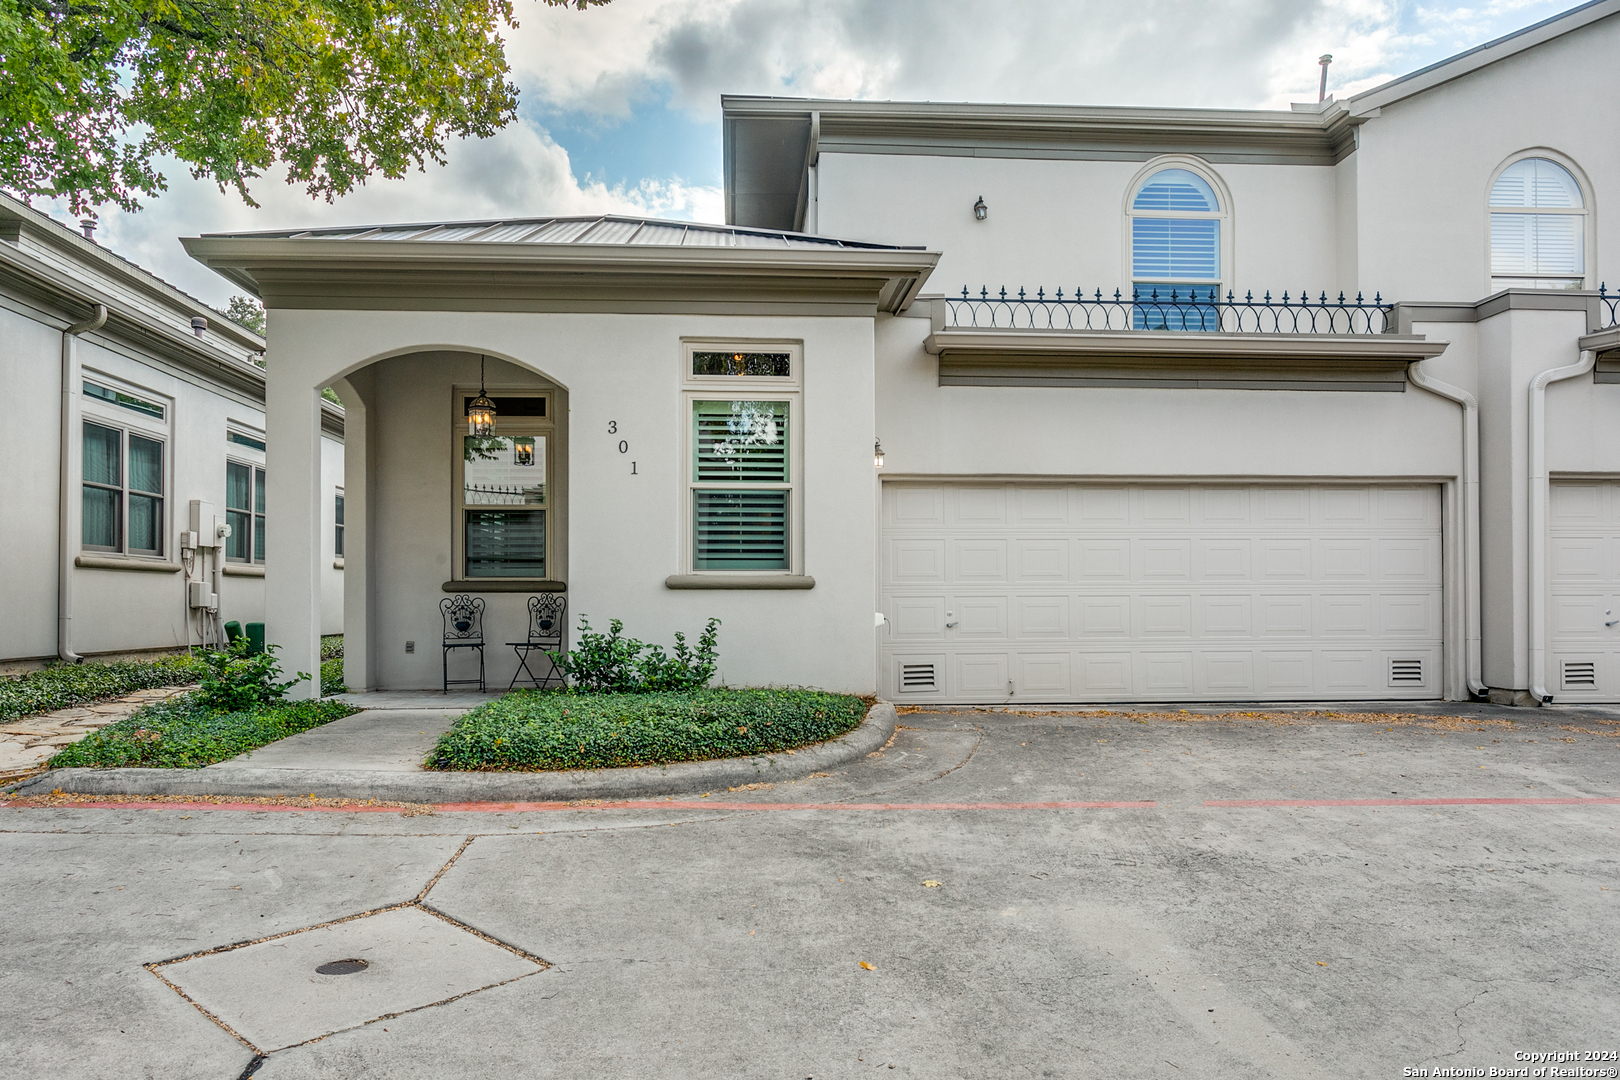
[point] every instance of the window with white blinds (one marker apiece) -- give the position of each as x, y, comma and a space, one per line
1176, 222
1538, 227
741, 485
743, 456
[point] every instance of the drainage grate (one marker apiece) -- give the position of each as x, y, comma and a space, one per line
1580, 673
1405, 672
342, 967
915, 677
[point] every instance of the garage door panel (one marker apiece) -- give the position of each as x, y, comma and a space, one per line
1233, 615
1578, 614
1221, 560
981, 618
1105, 616
1041, 560
1286, 559
917, 562
1574, 502
1166, 592
980, 561
1578, 558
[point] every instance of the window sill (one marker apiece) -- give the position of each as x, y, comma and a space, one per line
109, 562
243, 570
489, 585
739, 581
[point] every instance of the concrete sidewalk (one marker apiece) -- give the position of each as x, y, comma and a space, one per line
380, 740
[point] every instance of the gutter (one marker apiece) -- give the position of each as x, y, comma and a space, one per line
67, 521
1538, 516
1470, 492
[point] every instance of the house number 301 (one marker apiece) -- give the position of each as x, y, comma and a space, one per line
624, 445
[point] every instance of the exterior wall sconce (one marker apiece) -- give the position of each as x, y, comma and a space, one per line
980, 210
481, 410
877, 454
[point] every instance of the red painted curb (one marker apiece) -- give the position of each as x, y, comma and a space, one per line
1412, 802
630, 804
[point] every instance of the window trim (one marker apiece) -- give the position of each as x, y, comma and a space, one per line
1588, 211
541, 426
1226, 215
256, 518
338, 509
157, 433
790, 391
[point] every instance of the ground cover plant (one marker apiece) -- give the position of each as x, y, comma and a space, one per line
185, 733
63, 686
541, 730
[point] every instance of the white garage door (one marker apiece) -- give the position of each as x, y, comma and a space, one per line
1583, 656
1142, 592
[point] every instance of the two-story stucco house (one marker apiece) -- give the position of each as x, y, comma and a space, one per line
997, 403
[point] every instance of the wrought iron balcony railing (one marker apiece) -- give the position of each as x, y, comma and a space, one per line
1608, 307
1192, 308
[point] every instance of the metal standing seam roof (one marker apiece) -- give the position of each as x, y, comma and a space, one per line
604, 229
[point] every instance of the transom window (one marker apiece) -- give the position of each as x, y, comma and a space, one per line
1538, 227
123, 491
1175, 220
744, 447
504, 498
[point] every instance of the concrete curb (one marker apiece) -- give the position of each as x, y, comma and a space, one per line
458, 787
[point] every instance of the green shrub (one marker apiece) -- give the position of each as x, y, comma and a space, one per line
183, 733
65, 685
332, 677
331, 646
240, 680
611, 664
540, 730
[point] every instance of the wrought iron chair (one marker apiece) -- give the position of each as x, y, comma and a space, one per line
463, 629
545, 636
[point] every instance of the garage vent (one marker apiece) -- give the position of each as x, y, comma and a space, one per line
1580, 673
916, 677
1406, 672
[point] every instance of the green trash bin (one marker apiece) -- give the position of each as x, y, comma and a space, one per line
255, 637
233, 632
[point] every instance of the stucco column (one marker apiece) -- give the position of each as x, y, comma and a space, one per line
292, 601
359, 666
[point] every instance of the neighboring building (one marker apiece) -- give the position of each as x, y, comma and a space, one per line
1188, 482
162, 403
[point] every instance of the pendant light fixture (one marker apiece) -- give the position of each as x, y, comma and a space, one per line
481, 410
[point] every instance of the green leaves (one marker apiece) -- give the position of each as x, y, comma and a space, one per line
609, 663
184, 733
238, 679
335, 90
65, 685
535, 730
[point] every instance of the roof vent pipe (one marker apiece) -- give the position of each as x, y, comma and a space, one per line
198, 325
88, 227
1321, 93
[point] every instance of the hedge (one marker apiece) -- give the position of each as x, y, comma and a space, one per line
181, 733
540, 730
65, 685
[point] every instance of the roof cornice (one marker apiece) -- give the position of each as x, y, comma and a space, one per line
298, 272
980, 130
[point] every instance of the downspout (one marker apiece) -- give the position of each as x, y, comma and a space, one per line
1470, 514
1538, 517
66, 496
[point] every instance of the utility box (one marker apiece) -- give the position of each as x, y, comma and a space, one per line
205, 524
255, 637
198, 595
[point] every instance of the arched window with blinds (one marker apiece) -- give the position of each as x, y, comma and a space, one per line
1176, 225
1538, 227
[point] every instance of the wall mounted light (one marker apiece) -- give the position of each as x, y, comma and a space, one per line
877, 454
481, 410
980, 210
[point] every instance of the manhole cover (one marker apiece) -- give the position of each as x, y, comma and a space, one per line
342, 967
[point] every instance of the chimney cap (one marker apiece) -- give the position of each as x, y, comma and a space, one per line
88, 227
198, 325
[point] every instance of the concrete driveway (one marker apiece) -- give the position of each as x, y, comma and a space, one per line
991, 896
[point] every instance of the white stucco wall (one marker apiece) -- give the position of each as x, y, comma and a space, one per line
624, 530
1425, 165
1063, 223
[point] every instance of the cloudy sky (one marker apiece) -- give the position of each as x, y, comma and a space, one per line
620, 108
